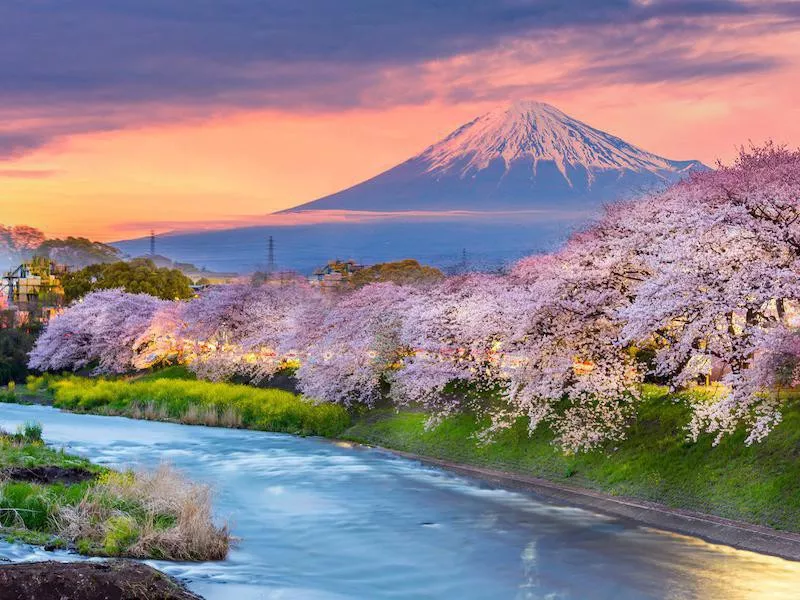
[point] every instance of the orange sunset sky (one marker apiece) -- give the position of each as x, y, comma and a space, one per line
155, 115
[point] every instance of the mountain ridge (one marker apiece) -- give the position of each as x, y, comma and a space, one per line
526, 155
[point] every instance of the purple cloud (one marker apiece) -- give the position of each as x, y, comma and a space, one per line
74, 63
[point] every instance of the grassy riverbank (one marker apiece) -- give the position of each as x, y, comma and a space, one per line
758, 484
170, 397
51, 498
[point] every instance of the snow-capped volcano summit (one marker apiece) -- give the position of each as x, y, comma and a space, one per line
536, 131
529, 155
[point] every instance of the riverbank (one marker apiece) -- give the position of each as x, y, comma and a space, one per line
169, 396
748, 497
758, 484
745, 497
57, 500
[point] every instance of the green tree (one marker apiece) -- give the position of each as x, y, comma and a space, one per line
137, 276
403, 272
14, 347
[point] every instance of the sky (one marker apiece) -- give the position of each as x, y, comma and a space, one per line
118, 117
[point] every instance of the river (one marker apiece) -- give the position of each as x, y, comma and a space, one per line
321, 521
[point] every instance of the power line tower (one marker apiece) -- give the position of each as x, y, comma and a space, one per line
270, 256
464, 259
152, 243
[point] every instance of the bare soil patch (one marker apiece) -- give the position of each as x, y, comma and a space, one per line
112, 580
47, 474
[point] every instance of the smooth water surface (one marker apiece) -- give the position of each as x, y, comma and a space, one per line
324, 521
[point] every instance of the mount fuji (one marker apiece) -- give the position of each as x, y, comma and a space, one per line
529, 155
512, 182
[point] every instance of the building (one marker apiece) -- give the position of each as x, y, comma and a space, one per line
33, 290
335, 274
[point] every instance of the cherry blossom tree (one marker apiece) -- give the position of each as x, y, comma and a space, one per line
102, 331
571, 369
162, 341
455, 331
356, 345
250, 330
279, 320
723, 257
757, 396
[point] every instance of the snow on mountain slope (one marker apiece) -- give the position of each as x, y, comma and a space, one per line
529, 155
540, 132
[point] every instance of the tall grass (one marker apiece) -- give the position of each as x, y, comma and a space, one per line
201, 402
145, 515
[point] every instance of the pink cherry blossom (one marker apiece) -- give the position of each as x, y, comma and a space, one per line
356, 345
103, 331
707, 273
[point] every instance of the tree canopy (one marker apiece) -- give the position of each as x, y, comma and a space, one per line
402, 272
139, 276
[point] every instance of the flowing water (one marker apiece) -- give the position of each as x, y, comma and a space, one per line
324, 521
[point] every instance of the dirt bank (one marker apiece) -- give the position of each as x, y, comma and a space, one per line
112, 580
47, 474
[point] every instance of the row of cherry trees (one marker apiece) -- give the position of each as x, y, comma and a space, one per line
702, 275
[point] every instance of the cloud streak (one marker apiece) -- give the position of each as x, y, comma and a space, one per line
314, 217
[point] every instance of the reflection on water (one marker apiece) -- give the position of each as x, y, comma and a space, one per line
322, 521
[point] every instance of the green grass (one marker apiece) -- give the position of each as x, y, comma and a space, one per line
200, 402
17, 451
108, 515
28, 510
759, 484
33, 507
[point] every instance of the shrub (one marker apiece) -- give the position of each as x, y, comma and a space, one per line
39, 383
30, 431
157, 514
120, 534
14, 347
